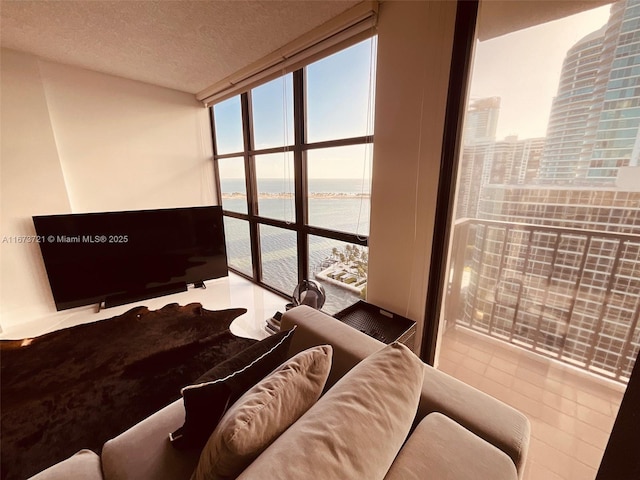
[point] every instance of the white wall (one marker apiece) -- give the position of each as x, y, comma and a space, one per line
31, 182
78, 141
414, 54
125, 144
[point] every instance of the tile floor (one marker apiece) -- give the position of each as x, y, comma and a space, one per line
571, 412
227, 292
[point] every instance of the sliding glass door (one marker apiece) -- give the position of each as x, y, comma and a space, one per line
540, 297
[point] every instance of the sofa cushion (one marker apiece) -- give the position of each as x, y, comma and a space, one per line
210, 396
492, 420
356, 429
84, 465
263, 413
441, 448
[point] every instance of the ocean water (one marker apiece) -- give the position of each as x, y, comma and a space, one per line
348, 211
353, 186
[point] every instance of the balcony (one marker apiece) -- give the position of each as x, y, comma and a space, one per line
546, 319
571, 412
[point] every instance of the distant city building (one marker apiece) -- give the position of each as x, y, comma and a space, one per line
481, 121
594, 120
570, 111
516, 162
617, 95
475, 167
556, 269
510, 161
605, 209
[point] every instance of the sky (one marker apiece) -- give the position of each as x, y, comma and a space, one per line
338, 106
523, 68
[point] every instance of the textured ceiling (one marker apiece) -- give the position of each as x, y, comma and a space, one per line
190, 45
185, 45
498, 17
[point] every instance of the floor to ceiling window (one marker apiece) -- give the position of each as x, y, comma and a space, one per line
542, 300
293, 162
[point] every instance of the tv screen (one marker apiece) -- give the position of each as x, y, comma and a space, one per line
118, 257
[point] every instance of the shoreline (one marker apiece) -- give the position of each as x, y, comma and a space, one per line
291, 196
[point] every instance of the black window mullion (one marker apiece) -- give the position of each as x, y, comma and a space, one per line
274, 222
249, 165
299, 112
212, 124
336, 235
238, 215
266, 151
214, 149
464, 36
230, 155
342, 142
250, 182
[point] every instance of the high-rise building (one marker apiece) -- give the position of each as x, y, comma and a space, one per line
570, 110
595, 116
603, 209
515, 162
478, 137
509, 161
617, 114
475, 164
481, 121
555, 268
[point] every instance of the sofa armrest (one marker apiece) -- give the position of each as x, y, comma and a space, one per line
482, 414
316, 328
84, 465
144, 452
489, 418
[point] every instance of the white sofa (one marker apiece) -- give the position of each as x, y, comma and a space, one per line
458, 432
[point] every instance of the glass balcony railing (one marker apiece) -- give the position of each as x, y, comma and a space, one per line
569, 294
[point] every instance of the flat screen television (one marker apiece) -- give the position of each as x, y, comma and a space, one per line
121, 257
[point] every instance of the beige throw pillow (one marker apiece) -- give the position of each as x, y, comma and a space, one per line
355, 430
263, 413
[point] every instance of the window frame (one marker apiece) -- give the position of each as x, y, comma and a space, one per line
299, 148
